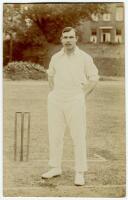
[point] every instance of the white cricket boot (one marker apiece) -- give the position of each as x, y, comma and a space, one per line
52, 173
79, 178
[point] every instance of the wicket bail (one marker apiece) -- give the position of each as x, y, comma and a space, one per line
22, 117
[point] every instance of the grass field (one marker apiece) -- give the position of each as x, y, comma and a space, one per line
105, 143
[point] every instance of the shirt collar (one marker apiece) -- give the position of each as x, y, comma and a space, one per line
76, 51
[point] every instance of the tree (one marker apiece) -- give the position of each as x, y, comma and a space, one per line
52, 18
28, 25
14, 24
24, 20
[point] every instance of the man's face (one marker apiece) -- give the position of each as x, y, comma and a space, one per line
69, 39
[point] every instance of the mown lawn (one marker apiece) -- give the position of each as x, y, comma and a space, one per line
105, 143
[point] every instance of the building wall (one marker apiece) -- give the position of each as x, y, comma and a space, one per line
107, 30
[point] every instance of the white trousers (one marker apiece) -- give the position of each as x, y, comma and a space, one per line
60, 114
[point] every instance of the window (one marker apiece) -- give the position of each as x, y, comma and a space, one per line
119, 13
118, 36
106, 17
106, 36
95, 17
118, 32
94, 32
93, 37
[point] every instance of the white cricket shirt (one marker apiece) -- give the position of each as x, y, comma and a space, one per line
70, 71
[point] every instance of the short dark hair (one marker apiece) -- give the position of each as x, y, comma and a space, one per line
67, 29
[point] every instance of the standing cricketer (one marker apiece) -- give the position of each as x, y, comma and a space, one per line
72, 75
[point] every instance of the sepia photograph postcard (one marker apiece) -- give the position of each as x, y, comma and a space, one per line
64, 125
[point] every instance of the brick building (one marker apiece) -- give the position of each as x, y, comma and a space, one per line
105, 28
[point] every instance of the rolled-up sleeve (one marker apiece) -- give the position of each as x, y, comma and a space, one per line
91, 70
51, 70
